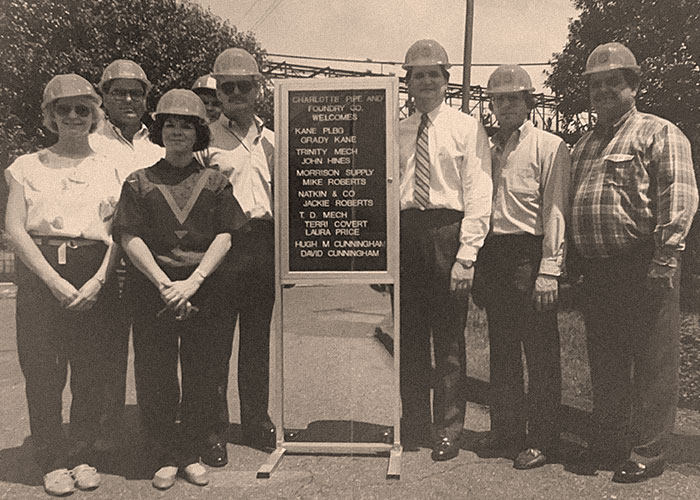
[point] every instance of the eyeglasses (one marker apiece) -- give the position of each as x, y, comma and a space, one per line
244, 86
64, 110
121, 94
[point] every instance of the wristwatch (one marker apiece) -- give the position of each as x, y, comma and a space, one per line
467, 264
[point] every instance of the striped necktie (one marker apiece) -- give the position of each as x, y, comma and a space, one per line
422, 177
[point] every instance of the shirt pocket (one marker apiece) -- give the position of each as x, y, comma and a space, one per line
522, 180
619, 170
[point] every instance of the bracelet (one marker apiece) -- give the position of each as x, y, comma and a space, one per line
200, 273
101, 281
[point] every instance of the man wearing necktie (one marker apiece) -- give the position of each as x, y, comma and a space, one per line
445, 196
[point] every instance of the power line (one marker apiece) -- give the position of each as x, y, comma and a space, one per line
266, 14
252, 5
396, 63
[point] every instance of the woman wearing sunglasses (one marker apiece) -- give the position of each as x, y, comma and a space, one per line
175, 221
58, 218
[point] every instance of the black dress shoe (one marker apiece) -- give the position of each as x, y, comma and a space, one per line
215, 455
445, 449
631, 471
260, 435
530, 459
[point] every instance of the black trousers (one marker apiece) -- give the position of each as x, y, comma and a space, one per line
49, 338
249, 298
116, 357
429, 244
633, 338
160, 341
507, 268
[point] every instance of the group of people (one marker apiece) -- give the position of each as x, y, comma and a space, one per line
498, 217
184, 209
114, 195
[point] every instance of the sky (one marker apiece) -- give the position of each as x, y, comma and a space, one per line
505, 31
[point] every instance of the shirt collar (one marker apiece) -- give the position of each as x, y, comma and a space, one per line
167, 169
116, 132
433, 114
522, 131
601, 128
226, 123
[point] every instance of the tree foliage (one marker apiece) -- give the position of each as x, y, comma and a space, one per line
664, 35
175, 41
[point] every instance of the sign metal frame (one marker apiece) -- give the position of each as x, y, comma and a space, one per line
285, 276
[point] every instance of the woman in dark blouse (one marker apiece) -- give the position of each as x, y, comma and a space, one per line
175, 221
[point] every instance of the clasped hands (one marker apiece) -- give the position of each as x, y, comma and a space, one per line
177, 294
74, 299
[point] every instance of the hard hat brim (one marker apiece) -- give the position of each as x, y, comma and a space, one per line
636, 69
407, 66
530, 90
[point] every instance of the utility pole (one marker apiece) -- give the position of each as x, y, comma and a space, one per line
467, 68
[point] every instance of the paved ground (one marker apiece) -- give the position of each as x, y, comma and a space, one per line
337, 384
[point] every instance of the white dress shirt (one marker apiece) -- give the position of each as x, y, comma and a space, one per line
460, 171
129, 156
247, 164
531, 177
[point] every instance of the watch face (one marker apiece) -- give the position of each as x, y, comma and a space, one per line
468, 263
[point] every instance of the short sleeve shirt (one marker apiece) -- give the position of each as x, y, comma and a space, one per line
70, 199
177, 212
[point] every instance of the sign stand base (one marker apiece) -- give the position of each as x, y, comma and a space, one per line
266, 470
395, 452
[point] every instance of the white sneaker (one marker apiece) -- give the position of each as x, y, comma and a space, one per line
59, 482
164, 477
86, 477
196, 474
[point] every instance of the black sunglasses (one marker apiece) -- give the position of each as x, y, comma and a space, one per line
244, 86
64, 110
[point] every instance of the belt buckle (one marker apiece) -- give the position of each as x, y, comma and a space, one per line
72, 244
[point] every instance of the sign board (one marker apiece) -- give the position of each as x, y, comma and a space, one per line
337, 178
336, 190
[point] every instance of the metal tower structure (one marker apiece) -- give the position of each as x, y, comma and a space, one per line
546, 114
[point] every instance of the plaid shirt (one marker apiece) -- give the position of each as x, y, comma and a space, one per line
630, 181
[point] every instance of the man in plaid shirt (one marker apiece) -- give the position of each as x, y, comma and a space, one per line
634, 198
